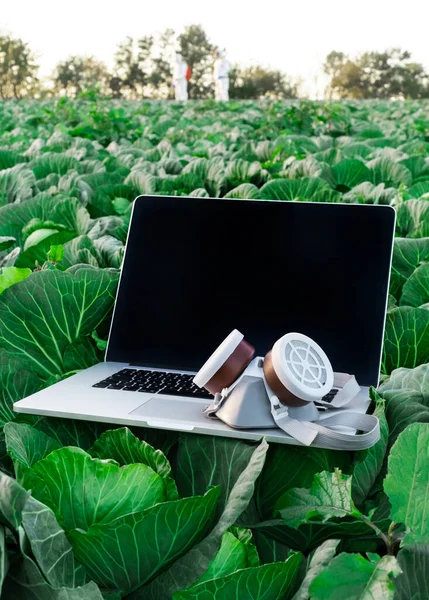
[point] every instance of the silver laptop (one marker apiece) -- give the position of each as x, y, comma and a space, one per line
197, 268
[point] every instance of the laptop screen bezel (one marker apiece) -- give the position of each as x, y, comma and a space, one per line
146, 200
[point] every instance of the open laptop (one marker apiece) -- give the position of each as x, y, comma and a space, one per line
197, 268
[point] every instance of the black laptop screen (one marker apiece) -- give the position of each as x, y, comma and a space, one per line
197, 268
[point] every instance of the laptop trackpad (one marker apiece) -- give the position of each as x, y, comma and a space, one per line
183, 410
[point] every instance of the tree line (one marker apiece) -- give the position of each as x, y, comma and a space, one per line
142, 69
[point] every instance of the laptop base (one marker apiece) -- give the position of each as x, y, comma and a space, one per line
75, 398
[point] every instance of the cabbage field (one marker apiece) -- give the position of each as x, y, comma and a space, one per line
88, 511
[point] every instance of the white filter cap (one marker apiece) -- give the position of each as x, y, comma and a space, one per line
302, 367
218, 358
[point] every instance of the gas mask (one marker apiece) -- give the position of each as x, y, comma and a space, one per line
290, 388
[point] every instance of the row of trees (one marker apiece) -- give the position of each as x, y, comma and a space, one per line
389, 74
142, 69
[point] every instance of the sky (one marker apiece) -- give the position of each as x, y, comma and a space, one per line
292, 36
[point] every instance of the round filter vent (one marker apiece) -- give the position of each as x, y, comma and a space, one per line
302, 367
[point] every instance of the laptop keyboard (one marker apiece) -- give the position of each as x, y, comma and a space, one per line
173, 384
153, 382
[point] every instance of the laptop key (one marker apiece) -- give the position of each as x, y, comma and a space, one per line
116, 386
101, 384
171, 392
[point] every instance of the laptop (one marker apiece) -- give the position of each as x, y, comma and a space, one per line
195, 269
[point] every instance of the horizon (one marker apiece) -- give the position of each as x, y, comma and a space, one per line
299, 55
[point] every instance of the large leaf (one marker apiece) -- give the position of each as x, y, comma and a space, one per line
412, 583
368, 193
393, 174
416, 290
80, 354
412, 219
408, 379
12, 501
310, 166
356, 149
244, 191
83, 491
10, 259
407, 396
369, 462
26, 445
9, 158
81, 250
300, 144
348, 173
269, 549
110, 251
418, 168
407, 482
288, 467
203, 460
245, 536
67, 432
43, 314
25, 580
6, 241
270, 582
125, 448
16, 185
192, 565
329, 496
233, 555
141, 181
114, 226
197, 166
52, 163
311, 189
419, 189
406, 338
408, 254
319, 560
59, 209
11, 275
36, 231
49, 546
240, 171
353, 577
102, 196
127, 552
310, 535
15, 383
199, 193
41, 242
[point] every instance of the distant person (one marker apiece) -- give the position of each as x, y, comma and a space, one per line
221, 76
180, 78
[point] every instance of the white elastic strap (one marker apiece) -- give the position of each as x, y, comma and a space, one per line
294, 428
325, 437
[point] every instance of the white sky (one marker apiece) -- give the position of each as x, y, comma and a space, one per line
293, 36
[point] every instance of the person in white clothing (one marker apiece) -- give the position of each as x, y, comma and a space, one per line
180, 83
221, 76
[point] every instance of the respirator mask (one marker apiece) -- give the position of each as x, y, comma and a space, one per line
293, 387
